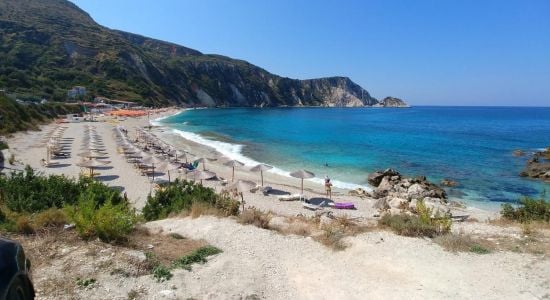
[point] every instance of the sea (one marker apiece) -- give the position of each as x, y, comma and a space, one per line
470, 145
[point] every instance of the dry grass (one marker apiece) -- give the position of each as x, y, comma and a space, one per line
464, 243
49, 218
201, 209
52, 251
24, 225
255, 217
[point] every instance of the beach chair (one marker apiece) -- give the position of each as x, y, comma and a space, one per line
266, 190
292, 197
311, 206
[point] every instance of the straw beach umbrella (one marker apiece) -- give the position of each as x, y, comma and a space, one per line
92, 164
203, 161
198, 174
303, 174
233, 163
242, 186
92, 154
261, 168
152, 161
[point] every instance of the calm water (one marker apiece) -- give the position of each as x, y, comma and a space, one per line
472, 145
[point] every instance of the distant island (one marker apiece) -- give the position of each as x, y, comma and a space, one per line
50, 46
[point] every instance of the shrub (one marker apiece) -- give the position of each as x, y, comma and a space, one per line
161, 273
29, 192
407, 225
197, 256
52, 217
11, 160
332, 236
24, 225
479, 249
529, 209
3, 145
114, 222
181, 195
109, 222
255, 217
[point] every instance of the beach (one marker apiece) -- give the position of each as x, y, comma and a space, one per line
269, 265
29, 148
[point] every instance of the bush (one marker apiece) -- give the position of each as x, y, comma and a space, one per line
408, 225
255, 217
529, 209
181, 195
422, 224
161, 273
24, 225
197, 256
52, 217
29, 192
109, 222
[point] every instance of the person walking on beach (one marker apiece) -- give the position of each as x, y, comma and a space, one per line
328, 187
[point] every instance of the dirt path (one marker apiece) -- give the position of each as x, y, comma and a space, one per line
377, 265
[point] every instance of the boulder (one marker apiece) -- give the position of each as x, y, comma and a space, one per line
381, 204
398, 203
375, 178
449, 182
518, 153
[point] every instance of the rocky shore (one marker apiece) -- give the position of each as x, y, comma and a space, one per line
538, 166
395, 193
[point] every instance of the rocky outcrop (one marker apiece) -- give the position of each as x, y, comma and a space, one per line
538, 166
391, 102
449, 183
396, 193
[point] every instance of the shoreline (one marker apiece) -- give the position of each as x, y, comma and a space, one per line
234, 151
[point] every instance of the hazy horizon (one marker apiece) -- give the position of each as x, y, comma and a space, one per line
467, 53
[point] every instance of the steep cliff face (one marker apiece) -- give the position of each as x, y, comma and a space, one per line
48, 46
391, 102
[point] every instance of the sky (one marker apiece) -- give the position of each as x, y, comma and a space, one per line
427, 52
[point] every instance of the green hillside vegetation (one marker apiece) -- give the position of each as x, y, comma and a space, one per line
49, 46
16, 117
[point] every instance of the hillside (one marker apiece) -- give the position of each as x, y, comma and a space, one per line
48, 46
15, 117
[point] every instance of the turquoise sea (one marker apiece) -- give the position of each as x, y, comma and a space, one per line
472, 145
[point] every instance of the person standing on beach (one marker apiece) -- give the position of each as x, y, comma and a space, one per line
328, 187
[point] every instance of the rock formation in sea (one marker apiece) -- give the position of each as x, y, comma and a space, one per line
538, 166
395, 193
391, 102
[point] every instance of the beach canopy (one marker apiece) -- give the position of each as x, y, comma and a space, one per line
261, 168
92, 163
198, 174
92, 154
233, 163
302, 174
152, 160
203, 161
241, 186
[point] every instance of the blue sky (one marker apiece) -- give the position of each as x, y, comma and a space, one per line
440, 52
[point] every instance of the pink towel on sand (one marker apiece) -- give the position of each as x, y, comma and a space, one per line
344, 205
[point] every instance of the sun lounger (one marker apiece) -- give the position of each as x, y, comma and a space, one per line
312, 206
266, 190
292, 197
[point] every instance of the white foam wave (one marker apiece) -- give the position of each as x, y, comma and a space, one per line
234, 151
157, 122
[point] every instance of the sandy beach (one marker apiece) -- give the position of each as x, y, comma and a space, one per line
259, 262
